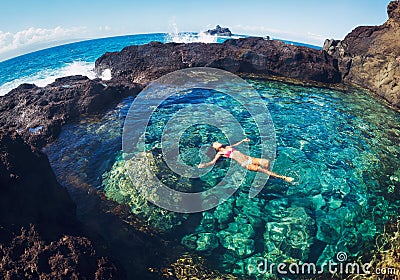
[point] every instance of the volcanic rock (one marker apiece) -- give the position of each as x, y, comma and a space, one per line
369, 56
25, 255
37, 113
248, 56
219, 31
31, 197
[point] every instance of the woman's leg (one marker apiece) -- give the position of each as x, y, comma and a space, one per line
254, 167
262, 162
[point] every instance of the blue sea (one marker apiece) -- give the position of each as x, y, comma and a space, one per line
341, 147
44, 66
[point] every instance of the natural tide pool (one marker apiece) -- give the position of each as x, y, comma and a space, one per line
342, 147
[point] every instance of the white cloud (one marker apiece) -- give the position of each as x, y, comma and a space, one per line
11, 42
105, 28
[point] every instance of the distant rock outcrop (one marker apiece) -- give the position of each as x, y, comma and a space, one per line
247, 56
219, 31
369, 56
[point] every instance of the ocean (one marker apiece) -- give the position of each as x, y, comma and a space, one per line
44, 66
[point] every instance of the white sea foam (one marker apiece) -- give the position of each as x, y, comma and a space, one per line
48, 76
186, 37
106, 75
191, 38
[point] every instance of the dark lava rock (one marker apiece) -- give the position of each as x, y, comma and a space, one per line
393, 11
30, 117
29, 191
369, 56
31, 195
219, 31
25, 255
37, 113
248, 56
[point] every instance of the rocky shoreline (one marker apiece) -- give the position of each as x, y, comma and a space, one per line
40, 235
37, 114
248, 56
369, 56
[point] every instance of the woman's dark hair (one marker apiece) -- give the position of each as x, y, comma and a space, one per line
211, 151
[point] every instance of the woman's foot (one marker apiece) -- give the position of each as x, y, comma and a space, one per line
288, 179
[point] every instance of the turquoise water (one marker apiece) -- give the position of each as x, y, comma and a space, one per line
342, 148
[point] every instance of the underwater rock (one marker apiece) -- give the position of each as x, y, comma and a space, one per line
122, 188
204, 241
246, 56
236, 236
277, 208
329, 228
224, 212
318, 201
251, 209
329, 254
333, 225
240, 225
369, 56
238, 243
291, 237
189, 266
208, 223
190, 241
334, 202
350, 241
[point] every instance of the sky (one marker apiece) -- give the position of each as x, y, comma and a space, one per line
27, 25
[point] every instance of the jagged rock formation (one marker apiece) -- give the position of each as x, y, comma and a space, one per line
248, 56
37, 113
30, 195
369, 56
29, 192
219, 31
26, 255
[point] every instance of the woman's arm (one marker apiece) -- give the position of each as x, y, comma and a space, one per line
203, 165
240, 142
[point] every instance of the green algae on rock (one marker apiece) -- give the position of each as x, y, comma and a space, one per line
119, 187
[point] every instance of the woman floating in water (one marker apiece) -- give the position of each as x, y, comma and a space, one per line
252, 164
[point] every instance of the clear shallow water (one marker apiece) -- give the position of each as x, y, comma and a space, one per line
342, 147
